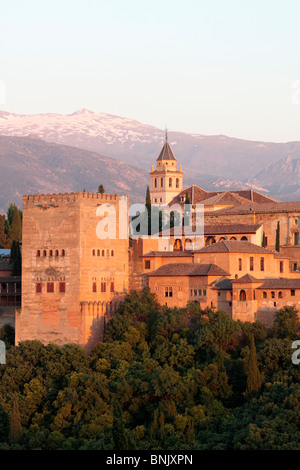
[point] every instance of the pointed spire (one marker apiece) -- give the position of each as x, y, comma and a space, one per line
166, 134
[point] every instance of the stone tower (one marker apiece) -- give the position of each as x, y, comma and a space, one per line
72, 280
166, 180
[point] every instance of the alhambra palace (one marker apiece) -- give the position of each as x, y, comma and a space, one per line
73, 281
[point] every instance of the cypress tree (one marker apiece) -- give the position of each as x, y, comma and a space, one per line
15, 228
15, 432
253, 374
148, 207
277, 243
15, 259
2, 232
263, 243
118, 429
101, 189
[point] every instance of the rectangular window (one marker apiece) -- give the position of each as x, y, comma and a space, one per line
266, 241
50, 287
293, 293
262, 264
103, 286
38, 288
240, 264
200, 292
204, 292
112, 287
281, 266
251, 263
147, 264
191, 293
195, 292
168, 291
94, 287
62, 287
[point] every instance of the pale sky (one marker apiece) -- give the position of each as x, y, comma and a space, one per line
206, 67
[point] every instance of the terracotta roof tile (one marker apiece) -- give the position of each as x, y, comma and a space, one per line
189, 269
168, 254
280, 283
166, 153
234, 246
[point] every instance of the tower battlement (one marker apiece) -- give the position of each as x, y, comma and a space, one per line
66, 198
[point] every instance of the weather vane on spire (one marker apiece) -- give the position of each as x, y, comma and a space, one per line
166, 131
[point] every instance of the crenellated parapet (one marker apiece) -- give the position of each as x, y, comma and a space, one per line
59, 199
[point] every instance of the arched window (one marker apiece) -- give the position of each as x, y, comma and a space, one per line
265, 296
155, 182
188, 244
177, 182
222, 238
63, 252
177, 245
170, 182
94, 252
56, 253
161, 182
103, 253
44, 253
280, 295
273, 294
210, 241
38, 253
232, 238
244, 239
242, 296
50, 253
112, 253
98, 252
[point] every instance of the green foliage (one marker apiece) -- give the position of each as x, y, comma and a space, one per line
286, 323
3, 240
16, 259
277, 242
162, 379
101, 189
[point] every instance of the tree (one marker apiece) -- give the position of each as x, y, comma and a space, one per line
15, 432
119, 432
286, 323
15, 227
148, 197
2, 232
253, 374
277, 243
263, 243
101, 189
15, 258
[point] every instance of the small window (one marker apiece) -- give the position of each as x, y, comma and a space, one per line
147, 264
102, 253
272, 295
191, 293
62, 287
242, 296
204, 292
240, 264
112, 253
112, 287
63, 253
50, 287
56, 253
280, 295
262, 264
251, 263
199, 292
94, 287
38, 288
44, 253
50, 253
195, 292
293, 293
281, 266
94, 252
265, 296
103, 286
98, 252
38, 253
168, 291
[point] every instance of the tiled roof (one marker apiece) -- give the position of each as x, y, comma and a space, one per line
222, 284
189, 269
280, 283
168, 254
196, 195
247, 278
261, 208
166, 153
247, 194
234, 246
225, 198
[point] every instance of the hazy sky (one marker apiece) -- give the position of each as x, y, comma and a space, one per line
207, 67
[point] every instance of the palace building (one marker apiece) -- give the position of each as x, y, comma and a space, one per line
73, 280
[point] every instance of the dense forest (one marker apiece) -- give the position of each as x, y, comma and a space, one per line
161, 379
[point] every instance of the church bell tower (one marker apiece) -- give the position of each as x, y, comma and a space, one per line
166, 180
